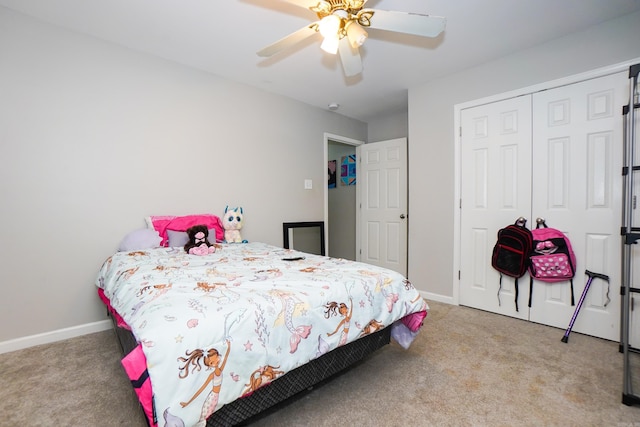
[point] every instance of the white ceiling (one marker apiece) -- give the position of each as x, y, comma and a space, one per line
222, 36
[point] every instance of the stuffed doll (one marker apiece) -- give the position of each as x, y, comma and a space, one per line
232, 223
198, 243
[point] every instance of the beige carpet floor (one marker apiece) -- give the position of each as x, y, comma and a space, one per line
467, 368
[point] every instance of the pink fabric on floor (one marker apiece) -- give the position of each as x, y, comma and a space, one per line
135, 365
414, 320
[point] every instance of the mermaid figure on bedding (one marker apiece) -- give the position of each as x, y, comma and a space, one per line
289, 308
211, 361
334, 309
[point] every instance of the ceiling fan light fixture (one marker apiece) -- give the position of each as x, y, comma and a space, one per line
342, 25
330, 44
329, 26
356, 34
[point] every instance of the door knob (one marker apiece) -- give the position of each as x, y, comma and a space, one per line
402, 216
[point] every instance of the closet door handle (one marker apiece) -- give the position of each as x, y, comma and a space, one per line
402, 216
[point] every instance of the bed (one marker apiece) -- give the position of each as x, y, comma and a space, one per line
217, 339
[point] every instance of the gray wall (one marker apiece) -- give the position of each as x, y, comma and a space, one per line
431, 133
94, 137
391, 126
342, 208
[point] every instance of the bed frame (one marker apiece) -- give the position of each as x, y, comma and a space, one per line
247, 409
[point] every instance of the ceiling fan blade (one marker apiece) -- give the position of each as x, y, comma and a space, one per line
303, 3
408, 23
350, 58
308, 4
288, 41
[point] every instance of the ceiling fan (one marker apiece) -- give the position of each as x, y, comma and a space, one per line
342, 25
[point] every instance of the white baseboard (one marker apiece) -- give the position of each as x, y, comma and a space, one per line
438, 298
53, 336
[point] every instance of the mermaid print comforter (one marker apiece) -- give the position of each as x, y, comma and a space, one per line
216, 327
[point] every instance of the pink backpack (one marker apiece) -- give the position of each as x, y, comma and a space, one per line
552, 258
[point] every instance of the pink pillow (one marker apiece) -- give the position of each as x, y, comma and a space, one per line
181, 223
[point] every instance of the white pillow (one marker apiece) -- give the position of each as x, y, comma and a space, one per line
144, 238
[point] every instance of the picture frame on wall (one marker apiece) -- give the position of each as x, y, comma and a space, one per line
348, 170
332, 169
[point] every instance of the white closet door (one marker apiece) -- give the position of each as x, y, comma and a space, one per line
577, 188
495, 191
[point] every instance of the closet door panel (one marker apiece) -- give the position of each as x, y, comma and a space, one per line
576, 188
495, 189
557, 191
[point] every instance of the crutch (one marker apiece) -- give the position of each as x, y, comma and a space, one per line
591, 275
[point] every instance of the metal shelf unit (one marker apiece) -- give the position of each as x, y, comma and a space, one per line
630, 233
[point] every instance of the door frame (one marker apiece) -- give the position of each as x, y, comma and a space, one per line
457, 110
342, 140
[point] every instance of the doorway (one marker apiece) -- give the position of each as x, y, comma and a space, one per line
340, 200
380, 227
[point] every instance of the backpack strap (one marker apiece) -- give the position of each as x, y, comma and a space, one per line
516, 294
499, 289
573, 302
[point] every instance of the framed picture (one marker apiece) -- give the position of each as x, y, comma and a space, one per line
348, 170
332, 174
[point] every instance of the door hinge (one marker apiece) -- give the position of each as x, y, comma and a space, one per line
459, 275
460, 204
460, 131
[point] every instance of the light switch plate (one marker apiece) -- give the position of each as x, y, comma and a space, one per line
308, 184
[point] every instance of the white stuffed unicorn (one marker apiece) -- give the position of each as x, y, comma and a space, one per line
232, 223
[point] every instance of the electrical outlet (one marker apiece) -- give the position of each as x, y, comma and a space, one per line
308, 184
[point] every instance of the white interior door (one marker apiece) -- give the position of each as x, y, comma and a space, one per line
495, 191
382, 201
577, 158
